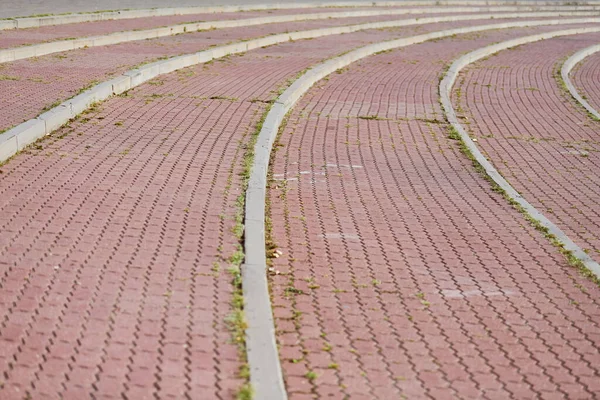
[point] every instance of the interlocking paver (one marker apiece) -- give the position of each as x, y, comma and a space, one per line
532, 130
400, 266
403, 274
110, 228
584, 76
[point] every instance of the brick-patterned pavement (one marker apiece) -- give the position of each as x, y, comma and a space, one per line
29, 86
541, 141
401, 273
585, 76
111, 228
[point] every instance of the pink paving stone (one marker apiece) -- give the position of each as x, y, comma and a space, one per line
585, 77
28, 87
117, 183
536, 136
374, 204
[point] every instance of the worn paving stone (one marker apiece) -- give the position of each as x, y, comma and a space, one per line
536, 135
402, 274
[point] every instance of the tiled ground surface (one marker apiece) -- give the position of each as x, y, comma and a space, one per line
109, 235
585, 76
29, 86
19, 37
402, 274
537, 137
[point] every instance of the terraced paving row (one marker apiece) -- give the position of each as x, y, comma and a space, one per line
536, 135
585, 77
29, 87
402, 274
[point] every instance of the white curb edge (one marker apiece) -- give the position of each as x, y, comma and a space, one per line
36, 22
37, 50
446, 91
266, 375
566, 69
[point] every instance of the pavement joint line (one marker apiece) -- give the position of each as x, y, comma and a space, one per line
566, 69
445, 88
61, 19
20, 136
42, 49
260, 337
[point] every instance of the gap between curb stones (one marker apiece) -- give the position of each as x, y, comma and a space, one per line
445, 92
566, 69
266, 375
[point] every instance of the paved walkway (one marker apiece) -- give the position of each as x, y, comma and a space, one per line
584, 77
110, 234
402, 274
536, 136
397, 272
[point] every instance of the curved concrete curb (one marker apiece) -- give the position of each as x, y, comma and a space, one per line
566, 70
36, 22
20, 53
260, 334
445, 92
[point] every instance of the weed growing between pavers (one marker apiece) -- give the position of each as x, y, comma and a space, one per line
236, 321
575, 262
290, 291
566, 92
